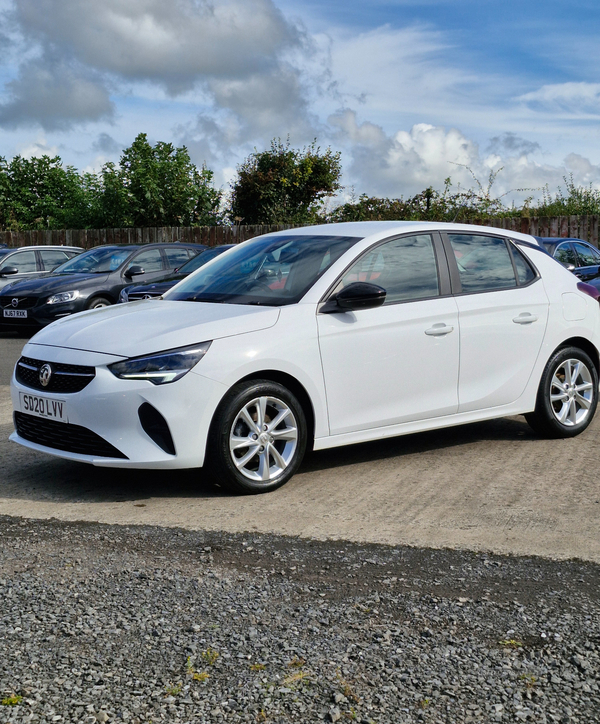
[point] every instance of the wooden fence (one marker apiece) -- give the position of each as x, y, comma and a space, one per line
579, 227
87, 238
575, 227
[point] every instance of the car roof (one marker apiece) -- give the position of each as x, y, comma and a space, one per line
191, 244
59, 247
550, 240
365, 229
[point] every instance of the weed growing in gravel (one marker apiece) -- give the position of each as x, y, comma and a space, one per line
511, 643
196, 675
296, 662
210, 656
529, 680
13, 700
299, 677
347, 690
424, 703
261, 716
257, 667
174, 690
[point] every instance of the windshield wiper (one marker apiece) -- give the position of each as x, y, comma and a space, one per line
199, 298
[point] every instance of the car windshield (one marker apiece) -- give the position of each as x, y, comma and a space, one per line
201, 259
95, 261
272, 270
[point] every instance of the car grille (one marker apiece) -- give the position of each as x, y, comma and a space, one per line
64, 436
65, 378
142, 295
6, 302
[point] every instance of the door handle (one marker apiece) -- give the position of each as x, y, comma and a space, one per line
439, 330
525, 318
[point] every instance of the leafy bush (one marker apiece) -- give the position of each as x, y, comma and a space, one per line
284, 185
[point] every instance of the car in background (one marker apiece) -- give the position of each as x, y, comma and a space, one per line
577, 255
91, 280
157, 289
28, 262
312, 338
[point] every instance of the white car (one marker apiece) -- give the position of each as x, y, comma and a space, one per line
316, 337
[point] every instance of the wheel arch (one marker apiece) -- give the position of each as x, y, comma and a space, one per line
101, 295
295, 387
584, 344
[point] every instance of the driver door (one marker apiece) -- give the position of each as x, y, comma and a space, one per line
398, 362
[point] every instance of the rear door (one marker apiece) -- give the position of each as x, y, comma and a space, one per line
503, 311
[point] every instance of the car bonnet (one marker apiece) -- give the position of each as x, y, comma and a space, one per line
138, 328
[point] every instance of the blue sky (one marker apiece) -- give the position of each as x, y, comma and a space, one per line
410, 92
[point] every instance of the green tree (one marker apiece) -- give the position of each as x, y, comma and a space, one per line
39, 193
284, 185
157, 186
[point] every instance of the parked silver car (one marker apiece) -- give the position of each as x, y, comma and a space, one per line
28, 262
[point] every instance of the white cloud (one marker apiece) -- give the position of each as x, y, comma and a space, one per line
38, 148
405, 162
566, 99
175, 44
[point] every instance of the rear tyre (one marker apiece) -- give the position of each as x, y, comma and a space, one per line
568, 395
257, 438
98, 303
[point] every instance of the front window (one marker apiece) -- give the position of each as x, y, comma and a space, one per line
406, 268
272, 270
95, 261
24, 261
587, 256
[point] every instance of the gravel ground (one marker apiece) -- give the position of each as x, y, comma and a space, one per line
142, 624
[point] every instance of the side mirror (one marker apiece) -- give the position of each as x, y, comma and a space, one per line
356, 296
8, 270
134, 271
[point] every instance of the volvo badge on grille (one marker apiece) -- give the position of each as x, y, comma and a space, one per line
45, 375
14, 302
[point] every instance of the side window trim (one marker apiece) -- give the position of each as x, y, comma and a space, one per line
515, 250
441, 261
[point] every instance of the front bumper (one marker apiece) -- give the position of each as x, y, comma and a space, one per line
109, 408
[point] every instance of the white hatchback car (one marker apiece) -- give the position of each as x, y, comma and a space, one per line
316, 337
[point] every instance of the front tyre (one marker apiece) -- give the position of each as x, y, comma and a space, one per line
257, 438
567, 396
98, 303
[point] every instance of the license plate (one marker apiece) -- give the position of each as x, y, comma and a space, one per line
21, 313
46, 407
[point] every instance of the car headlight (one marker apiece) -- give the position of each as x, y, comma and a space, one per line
162, 367
62, 297
124, 295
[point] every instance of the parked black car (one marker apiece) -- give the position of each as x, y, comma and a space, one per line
148, 291
28, 262
577, 255
91, 280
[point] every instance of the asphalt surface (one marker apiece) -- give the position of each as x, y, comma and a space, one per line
491, 486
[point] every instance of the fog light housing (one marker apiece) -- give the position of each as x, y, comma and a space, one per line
156, 427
